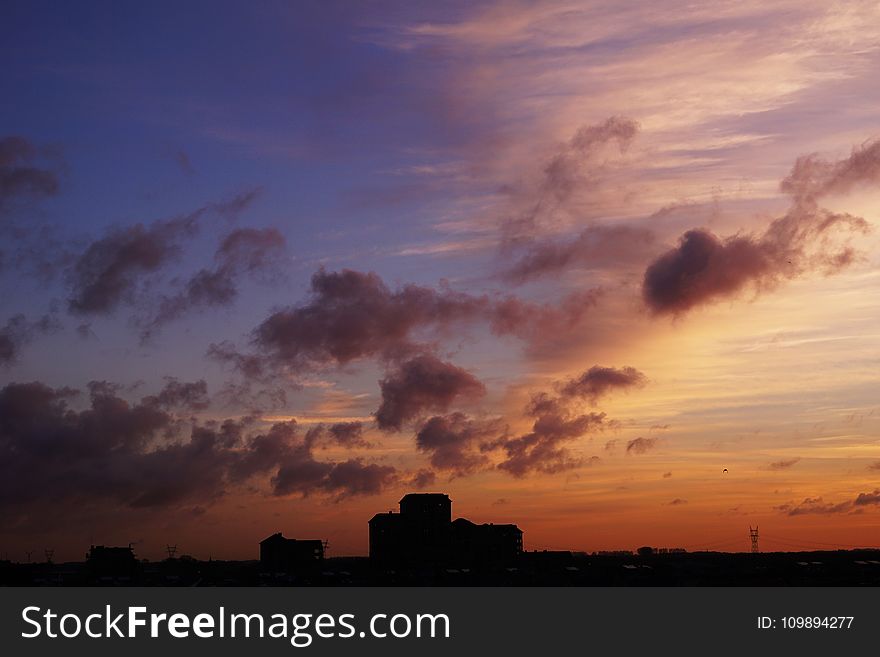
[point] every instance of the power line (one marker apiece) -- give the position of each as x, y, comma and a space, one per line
807, 543
753, 537
721, 543
788, 546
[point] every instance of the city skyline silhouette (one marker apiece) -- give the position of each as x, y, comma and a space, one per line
422, 545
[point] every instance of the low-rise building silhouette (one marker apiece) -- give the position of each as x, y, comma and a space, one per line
104, 561
487, 543
279, 554
424, 532
386, 538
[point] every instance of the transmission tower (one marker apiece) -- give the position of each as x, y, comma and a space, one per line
172, 550
29, 553
49, 554
753, 534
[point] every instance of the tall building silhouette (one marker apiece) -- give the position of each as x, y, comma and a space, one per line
424, 532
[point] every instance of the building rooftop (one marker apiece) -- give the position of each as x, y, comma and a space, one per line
470, 523
278, 536
423, 496
384, 514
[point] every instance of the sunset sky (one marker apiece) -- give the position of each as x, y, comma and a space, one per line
269, 266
